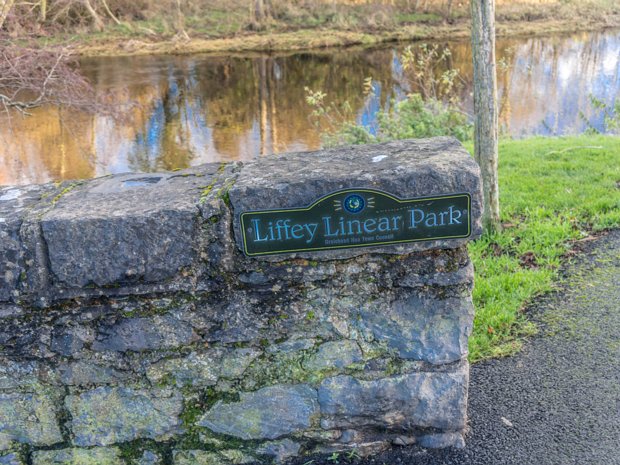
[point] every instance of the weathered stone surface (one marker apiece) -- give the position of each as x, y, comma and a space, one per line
107, 415
286, 367
335, 310
196, 457
422, 328
69, 340
235, 457
404, 402
280, 450
11, 459
232, 317
292, 345
16, 204
200, 457
334, 354
203, 369
268, 413
150, 458
10, 254
462, 275
96, 456
234, 364
138, 334
18, 375
28, 419
409, 169
441, 440
127, 228
135, 284
9, 311
89, 373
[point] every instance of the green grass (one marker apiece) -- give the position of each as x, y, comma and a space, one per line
553, 191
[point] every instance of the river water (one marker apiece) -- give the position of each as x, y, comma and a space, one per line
189, 110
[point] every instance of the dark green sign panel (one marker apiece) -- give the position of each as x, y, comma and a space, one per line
355, 218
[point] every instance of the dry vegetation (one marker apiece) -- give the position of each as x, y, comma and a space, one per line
143, 26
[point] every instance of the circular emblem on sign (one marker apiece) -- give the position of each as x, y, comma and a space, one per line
354, 203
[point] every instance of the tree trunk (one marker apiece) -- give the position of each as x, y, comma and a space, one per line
262, 96
180, 21
109, 12
273, 109
261, 10
5, 8
449, 9
97, 22
43, 11
485, 106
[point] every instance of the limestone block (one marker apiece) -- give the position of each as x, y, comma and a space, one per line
426, 400
16, 204
18, 375
11, 459
280, 450
84, 373
150, 458
127, 228
28, 418
139, 334
106, 415
442, 440
201, 457
69, 340
422, 327
409, 169
95, 456
334, 354
203, 369
268, 413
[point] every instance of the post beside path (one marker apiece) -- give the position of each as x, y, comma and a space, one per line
228, 313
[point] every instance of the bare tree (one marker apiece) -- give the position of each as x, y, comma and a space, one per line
416, 8
42, 11
449, 6
180, 22
485, 106
109, 12
30, 78
97, 21
5, 8
261, 11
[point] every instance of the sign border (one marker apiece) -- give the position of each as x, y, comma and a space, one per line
374, 244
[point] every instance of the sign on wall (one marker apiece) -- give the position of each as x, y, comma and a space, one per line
355, 218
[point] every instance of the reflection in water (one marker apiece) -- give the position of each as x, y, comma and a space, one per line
198, 109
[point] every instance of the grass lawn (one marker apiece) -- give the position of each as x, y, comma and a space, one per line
553, 191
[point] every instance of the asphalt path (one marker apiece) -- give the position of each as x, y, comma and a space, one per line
557, 402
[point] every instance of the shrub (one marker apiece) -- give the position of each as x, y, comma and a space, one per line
433, 110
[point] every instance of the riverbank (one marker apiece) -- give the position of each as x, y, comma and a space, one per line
149, 39
310, 39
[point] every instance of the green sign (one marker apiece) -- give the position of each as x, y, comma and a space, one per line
355, 218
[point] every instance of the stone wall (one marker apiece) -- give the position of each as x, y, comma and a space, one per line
134, 331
